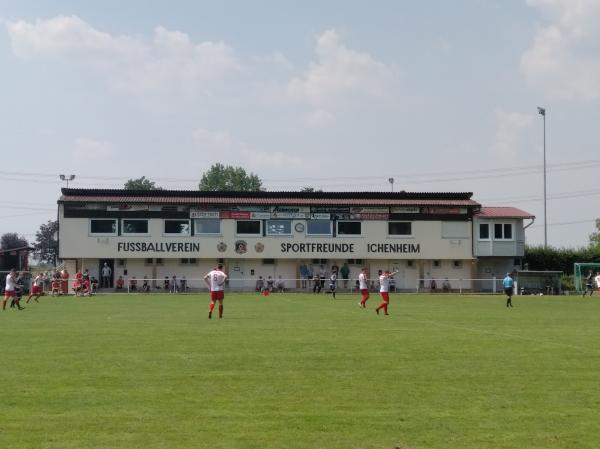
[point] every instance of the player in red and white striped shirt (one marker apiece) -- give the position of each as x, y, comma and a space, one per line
215, 280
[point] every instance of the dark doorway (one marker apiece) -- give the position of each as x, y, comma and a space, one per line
106, 282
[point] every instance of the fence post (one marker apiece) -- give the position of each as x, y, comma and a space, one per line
460, 286
494, 284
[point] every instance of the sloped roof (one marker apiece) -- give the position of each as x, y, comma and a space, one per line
503, 212
267, 198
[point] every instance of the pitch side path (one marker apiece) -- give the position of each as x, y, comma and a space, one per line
301, 371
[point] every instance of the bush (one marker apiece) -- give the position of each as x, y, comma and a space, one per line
567, 282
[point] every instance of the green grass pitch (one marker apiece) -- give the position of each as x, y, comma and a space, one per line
301, 371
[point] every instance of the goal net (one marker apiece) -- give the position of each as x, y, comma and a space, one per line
581, 272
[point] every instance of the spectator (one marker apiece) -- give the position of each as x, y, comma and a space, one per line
317, 284
120, 283
433, 286
345, 272
270, 283
106, 276
260, 284
183, 284
133, 284
167, 284
65, 282
322, 274
174, 285
446, 285
55, 287
93, 285
303, 274
145, 285
280, 285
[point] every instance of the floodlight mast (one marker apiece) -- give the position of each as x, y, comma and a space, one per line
67, 178
391, 181
542, 112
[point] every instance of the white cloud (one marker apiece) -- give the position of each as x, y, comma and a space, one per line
212, 140
320, 118
510, 128
564, 58
87, 149
224, 148
340, 72
171, 61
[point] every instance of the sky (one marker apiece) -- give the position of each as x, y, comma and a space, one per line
339, 95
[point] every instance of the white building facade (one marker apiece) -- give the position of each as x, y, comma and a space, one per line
163, 233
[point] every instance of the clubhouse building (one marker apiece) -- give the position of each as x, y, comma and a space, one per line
165, 233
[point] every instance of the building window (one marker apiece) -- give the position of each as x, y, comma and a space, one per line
319, 261
120, 262
355, 261
135, 226
188, 261
457, 264
159, 261
103, 227
177, 227
484, 231
279, 227
248, 227
400, 228
207, 226
348, 228
318, 227
410, 263
149, 261
503, 231
268, 261
437, 264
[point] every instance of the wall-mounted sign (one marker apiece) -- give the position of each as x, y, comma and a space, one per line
290, 212
126, 207
260, 215
234, 215
158, 247
370, 216
369, 210
330, 210
445, 210
195, 213
241, 247
320, 216
405, 210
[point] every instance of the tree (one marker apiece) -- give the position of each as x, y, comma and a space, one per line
12, 240
46, 245
595, 236
142, 183
221, 178
310, 189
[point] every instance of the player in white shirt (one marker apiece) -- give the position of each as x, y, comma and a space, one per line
384, 291
363, 285
37, 288
215, 280
10, 290
597, 279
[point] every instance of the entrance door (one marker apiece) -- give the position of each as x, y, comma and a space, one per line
111, 264
237, 275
